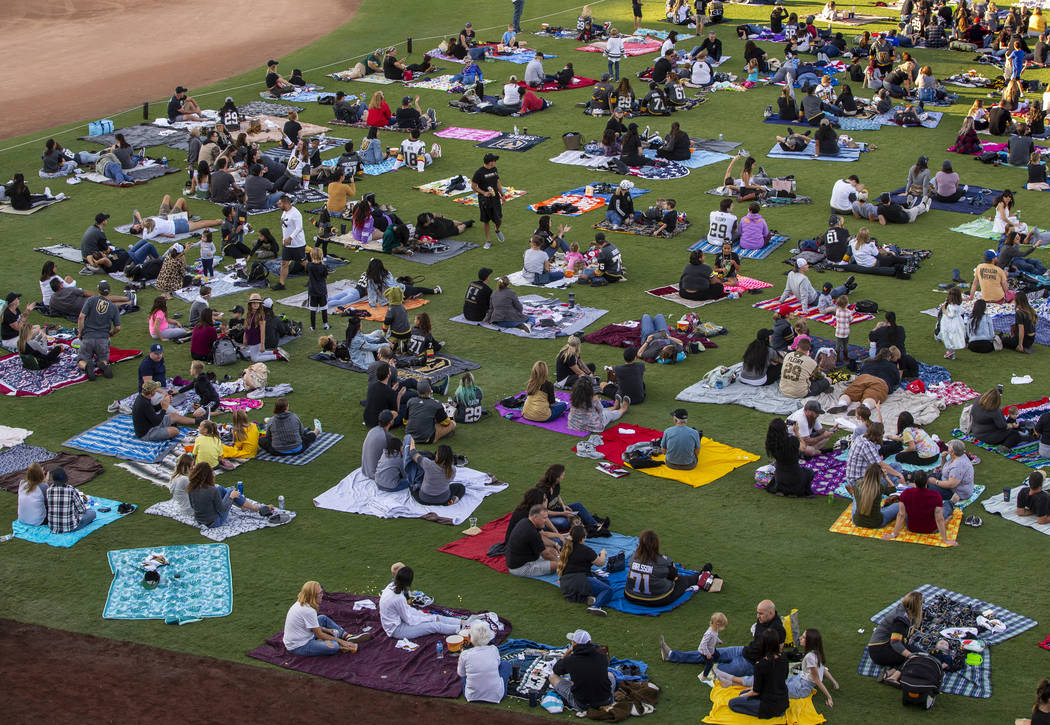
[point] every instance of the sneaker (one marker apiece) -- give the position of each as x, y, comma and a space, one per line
317, 425
665, 651
90, 372
487, 245
645, 133
591, 601
282, 353
499, 235
327, 326
265, 511
850, 283
437, 289
107, 371
598, 611
837, 409
277, 286
113, 407
312, 329
432, 115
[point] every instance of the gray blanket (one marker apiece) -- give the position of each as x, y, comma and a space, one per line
145, 134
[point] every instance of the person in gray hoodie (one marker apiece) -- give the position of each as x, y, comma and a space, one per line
505, 308
285, 433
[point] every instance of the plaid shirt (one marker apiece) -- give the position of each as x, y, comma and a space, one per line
862, 453
65, 507
843, 317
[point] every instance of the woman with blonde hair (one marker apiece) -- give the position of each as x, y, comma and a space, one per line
32, 497
869, 511
31, 341
568, 366
541, 405
888, 645
245, 437
378, 115
311, 634
179, 482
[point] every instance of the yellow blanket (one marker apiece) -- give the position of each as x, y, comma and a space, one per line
716, 460
800, 712
844, 525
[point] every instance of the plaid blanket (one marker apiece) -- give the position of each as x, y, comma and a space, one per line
953, 393
116, 437
322, 444
646, 228
16, 380
813, 314
509, 193
239, 521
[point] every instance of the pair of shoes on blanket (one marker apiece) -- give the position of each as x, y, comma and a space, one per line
974, 521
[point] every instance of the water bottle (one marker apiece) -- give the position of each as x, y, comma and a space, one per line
163, 160
515, 130
280, 503
871, 349
440, 647
240, 487
572, 299
6, 537
721, 137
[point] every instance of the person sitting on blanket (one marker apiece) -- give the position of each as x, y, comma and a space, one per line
534, 74
870, 509
245, 438
825, 140
310, 634
740, 661
476, 299
680, 443
32, 343
211, 503
799, 373
346, 112
805, 423
628, 379
676, 144
150, 417
922, 510
67, 509
32, 496
565, 76
789, 477
954, 481
552, 242
541, 405
609, 262
668, 218
561, 517
581, 677
914, 445
767, 693
1031, 501
536, 267
285, 434
94, 247
988, 424
654, 103
568, 365
799, 287
19, 195
761, 363
528, 552
585, 409
696, 281
657, 342
620, 211
888, 646
727, 263
183, 108
436, 487
754, 232
160, 327
577, 582
427, 420
275, 84
653, 580
486, 678
410, 115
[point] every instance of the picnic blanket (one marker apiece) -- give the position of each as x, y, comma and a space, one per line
378, 314
743, 284
697, 159
476, 548
969, 203
632, 46
303, 96
799, 712
44, 535
714, 248
829, 471
116, 437
597, 190
178, 237
813, 314
324, 441
980, 228
509, 194
378, 664
145, 134
468, 134
324, 143
844, 525
953, 393
139, 173
512, 142
6, 208
558, 425
933, 118
239, 520
62, 251
666, 169
273, 127
444, 83
358, 494
79, 467
518, 279
221, 285
16, 380
197, 583
377, 78
553, 318
644, 228
971, 681
440, 187
1008, 510
266, 108
436, 369
716, 459
1025, 453
583, 204
630, 334
844, 154
660, 35
547, 87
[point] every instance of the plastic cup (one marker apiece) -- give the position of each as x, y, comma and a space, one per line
473, 521
1006, 493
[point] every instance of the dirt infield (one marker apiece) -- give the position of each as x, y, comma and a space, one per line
82, 59
63, 677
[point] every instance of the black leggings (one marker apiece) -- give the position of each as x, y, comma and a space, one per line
1008, 438
308, 438
885, 656
913, 458
950, 198
413, 291
980, 346
455, 490
237, 250
683, 582
713, 292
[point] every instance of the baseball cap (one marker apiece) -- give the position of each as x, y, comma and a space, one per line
58, 475
156, 347
268, 302
813, 406
989, 255
784, 310
237, 310
484, 273
385, 416
626, 184
467, 25
491, 157
271, 62
680, 414
12, 296
580, 636
406, 100
801, 262
599, 237
101, 217
103, 287
833, 220
181, 89
177, 248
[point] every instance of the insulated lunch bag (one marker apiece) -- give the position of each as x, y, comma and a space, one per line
921, 676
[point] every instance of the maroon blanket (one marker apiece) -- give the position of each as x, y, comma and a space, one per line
377, 664
622, 336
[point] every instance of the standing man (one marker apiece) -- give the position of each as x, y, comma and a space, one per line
490, 197
292, 238
97, 317
519, 6
183, 108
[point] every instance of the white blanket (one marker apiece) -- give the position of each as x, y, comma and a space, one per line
517, 279
358, 494
1008, 510
12, 436
238, 522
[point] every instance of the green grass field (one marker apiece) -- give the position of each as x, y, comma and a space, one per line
764, 546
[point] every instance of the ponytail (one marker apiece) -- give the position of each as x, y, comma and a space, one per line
577, 534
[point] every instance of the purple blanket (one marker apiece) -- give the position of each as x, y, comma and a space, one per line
623, 335
377, 664
828, 472
558, 425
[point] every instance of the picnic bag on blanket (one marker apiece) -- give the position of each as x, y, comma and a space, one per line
963, 46
868, 307
100, 127
255, 376
966, 418
224, 352
921, 676
572, 140
719, 377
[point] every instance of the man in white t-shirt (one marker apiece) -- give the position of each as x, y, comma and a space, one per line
841, 203
292, 238
414, 151
805, 425
723, 224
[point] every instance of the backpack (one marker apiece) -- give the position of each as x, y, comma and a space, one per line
966, 418
255, 376
258, 272
867, 307
920, 680
224, 352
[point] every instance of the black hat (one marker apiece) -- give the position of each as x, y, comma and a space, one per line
271, 62
181, 89
12, 296
490, 157
406, 100
484, 273
599, 237
103, 287
680, 414
59, 475
101, 217
813, 406
297, 72
833, 220
237, 310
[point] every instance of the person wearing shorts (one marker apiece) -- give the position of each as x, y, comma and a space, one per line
99, 320
864, 388
527, 552
487, 186
294, 249
636, 9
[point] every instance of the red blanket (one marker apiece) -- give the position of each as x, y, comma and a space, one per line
475, 548
614, 443
577, 82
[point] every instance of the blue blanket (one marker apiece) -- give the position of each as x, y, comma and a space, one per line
614, 544
511, 647
381, 168
44, 535
696, 160
197, 583
580, 190
844, 154
710, 248
968, 204
116, 437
